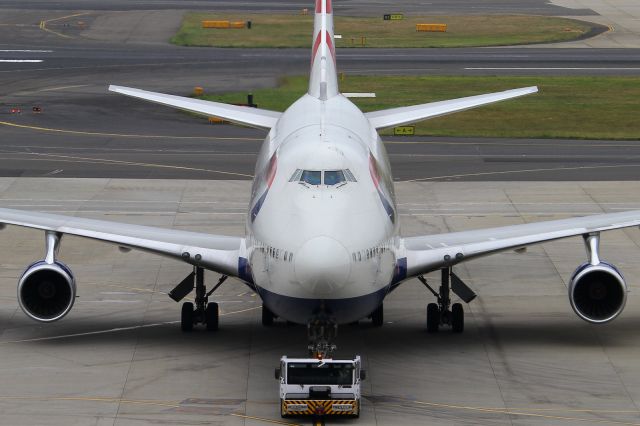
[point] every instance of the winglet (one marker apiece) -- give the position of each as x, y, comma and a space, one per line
253, 117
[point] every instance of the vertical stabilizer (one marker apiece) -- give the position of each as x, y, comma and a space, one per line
323, 81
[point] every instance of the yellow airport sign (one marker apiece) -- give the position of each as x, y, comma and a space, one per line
404, 130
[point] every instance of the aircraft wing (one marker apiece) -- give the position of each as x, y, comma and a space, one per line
253, 117
218, 253
427, 253
410, 114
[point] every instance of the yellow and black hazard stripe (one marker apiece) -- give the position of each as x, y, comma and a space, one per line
329, 407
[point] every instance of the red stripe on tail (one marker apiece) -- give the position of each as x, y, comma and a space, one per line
331, 48
319, 6
316, 45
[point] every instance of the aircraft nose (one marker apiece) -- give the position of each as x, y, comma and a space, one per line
322, 265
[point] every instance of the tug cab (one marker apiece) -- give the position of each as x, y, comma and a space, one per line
320, 387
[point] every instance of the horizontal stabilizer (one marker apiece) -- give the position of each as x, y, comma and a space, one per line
411, 114
253, 117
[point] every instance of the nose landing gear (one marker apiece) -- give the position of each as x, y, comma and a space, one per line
321, 334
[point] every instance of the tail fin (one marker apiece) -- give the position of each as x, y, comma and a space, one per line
323, 81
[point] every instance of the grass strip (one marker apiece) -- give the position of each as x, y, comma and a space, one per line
565, 107
462, 31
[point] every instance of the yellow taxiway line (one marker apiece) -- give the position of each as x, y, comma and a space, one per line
44, 22
120, 135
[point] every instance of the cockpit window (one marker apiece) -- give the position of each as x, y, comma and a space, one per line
333, 177
326, 177
296, 176
350, 177
312, 177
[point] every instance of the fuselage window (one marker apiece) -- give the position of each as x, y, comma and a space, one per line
333, 177
312, 177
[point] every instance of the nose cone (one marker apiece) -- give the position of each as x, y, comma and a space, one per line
322, 265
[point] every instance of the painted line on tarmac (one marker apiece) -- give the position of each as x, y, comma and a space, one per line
51, 89
526, 413
73, 159
25, 51
524, 143
115, 330
116, 66
21, 60
552, 68
158, 403
504, 172
121, 135
44, 22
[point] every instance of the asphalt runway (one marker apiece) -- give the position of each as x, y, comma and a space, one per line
84, 131
360, 7
119, 357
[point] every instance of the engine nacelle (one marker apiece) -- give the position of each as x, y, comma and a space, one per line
46, 292
598, 293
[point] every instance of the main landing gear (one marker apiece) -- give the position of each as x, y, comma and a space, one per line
443, 312
202, 311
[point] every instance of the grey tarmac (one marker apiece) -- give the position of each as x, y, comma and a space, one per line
120, 358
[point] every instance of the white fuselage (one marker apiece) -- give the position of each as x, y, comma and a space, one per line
322, 227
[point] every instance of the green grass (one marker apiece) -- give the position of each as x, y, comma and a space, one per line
463, 31
565, 107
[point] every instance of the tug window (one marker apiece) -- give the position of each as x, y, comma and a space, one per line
333, 177
312, 177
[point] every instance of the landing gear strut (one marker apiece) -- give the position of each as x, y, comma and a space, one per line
442, 312
267, 316
203, 311
321, 333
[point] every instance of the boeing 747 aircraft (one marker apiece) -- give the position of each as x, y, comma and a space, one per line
323, 245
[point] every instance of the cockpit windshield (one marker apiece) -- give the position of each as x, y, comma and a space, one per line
333, 177
312, 177
322, 177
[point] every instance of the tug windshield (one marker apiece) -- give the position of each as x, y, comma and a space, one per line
302, 373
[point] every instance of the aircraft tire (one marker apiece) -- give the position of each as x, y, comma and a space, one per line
433, 318
186, 316
377, 317
457, 318
211, 315
267, 316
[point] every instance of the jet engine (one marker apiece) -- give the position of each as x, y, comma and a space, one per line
597, 293
46, 291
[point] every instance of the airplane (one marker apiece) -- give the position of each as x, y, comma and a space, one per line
322, 245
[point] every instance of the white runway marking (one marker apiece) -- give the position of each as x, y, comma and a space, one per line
50, 89
553, 68
20, 60
113, 330
25, 51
